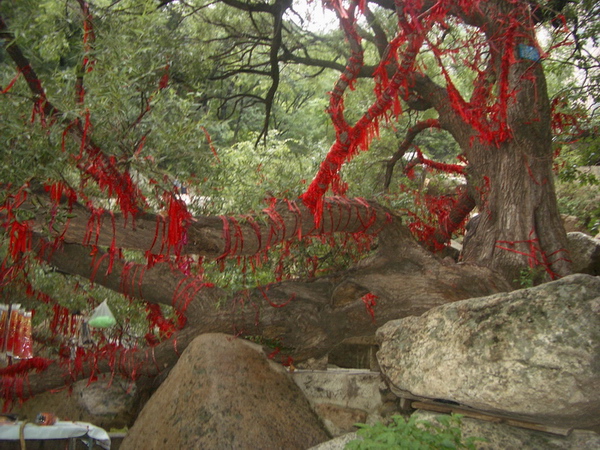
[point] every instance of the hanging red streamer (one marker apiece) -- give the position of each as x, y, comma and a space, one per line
11, 83
370, 301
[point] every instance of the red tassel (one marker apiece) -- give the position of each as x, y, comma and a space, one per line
164, 80
370, 302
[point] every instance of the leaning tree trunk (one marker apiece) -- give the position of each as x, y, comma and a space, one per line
307, 317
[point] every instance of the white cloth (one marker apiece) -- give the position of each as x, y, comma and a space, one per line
60, 430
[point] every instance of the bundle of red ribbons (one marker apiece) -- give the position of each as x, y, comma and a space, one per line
15, 332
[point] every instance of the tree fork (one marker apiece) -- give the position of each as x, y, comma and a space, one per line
218, 236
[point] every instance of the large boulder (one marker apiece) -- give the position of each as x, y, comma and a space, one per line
572, 224
584, 251
225, 393
532, 354
338, 443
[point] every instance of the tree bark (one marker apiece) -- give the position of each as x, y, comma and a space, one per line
520, 224
214, 236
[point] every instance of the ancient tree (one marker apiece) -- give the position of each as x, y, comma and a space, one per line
502, 123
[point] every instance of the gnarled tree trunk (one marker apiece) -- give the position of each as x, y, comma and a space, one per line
504, 131
513, 185
306, 317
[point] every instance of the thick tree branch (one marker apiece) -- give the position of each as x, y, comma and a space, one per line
457, 216
157, 284
410, 136
222, 236
379, 36
353, 65
449, 118
35, 86
307, 317
350, 138
280, 8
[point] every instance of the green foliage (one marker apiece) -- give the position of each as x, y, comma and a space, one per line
530, 277
580, 197
582, 19
577, 185
413, 434
582, 153
162, 135
246, 175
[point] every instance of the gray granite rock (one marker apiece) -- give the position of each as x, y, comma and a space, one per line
533, 354
584, 252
